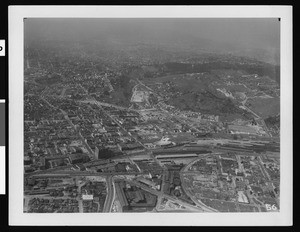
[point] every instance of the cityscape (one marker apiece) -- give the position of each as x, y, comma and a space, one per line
141, 115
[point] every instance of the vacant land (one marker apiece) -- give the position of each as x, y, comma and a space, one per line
265, 107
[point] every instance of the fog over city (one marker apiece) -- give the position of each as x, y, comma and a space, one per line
258, 38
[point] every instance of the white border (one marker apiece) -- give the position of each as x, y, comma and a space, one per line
16, 215
2, 164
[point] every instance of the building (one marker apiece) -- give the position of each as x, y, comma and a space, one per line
76, 158
147, 182
238, 129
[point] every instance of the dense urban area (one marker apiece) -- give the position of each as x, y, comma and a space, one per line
137, 127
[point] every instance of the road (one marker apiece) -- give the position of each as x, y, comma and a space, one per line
248, 109
82, 173
41, 172
262, 121
194, 199
110, 195
80, 201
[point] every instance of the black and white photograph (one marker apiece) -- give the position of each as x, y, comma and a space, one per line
151, 116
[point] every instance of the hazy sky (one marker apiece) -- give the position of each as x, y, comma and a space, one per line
252, 33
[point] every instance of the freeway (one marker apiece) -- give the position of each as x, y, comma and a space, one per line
110, 195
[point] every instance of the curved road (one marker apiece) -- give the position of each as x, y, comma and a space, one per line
194, 199
110, 195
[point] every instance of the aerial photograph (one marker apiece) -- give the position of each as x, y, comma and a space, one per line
151, 115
